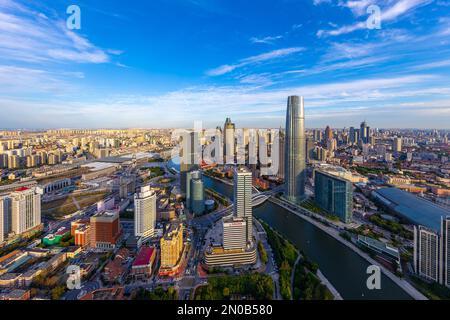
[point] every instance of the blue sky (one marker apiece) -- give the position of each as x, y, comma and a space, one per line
166, 63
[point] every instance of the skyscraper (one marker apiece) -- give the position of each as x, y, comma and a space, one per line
144, 212
281, 154
197, 193
364, 132
228, 141
295, 149
243, 199
426, 253
351, 135
397, 144
188, 159
25, 210
328, 133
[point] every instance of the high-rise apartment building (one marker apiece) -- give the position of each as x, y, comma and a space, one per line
144, 212
25, 210
397, 144
432, 252
243, 199
426, 253
295, 159
334, 194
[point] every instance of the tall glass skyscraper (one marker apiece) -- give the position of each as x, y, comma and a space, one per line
295, 150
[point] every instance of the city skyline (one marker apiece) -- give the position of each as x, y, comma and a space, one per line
133, 66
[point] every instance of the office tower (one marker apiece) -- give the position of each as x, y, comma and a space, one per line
328, 133
188, 159
334, 194
105, 230
234, 231
144, 212
25, 210
228, 141
364, 132
5, 217
397, 144
310, 145
352, 135
197, 193
243, 199
281, 154
295, 150
426, 253
172, 246
188, 189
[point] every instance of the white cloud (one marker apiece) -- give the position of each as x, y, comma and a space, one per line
388, 14
212, 103
266, 40
254, 59
28, 36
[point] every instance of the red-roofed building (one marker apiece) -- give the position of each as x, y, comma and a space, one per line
142, 265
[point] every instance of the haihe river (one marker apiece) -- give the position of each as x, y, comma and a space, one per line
345, 269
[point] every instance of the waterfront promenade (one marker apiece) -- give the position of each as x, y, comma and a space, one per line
406, 286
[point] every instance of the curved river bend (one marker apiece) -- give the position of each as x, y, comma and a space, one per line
345, 269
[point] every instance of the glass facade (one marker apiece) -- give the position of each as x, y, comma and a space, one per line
334, 195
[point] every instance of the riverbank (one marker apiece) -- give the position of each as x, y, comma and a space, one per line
330, 287
403, 284
227, 182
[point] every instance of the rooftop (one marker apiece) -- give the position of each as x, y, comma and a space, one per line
144, 256
417, 210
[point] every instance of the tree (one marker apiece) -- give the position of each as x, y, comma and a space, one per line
58, 292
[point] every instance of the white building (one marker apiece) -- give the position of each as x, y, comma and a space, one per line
145, 212
426, 253
243, 199
234, 234
25, 210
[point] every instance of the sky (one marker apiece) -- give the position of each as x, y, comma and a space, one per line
166, 64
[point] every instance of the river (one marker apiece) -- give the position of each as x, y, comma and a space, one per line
344, 268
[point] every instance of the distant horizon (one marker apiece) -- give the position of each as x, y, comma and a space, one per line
212, 127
